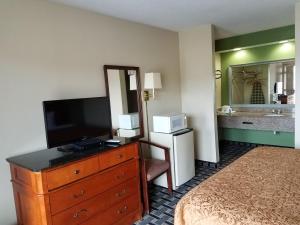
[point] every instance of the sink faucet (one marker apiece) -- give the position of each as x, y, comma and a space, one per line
278, 111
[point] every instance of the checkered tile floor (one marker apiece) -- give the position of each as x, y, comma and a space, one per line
162, 205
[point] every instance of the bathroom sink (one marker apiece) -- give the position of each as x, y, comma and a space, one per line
274, 115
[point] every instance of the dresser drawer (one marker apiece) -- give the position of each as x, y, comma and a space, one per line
75, 171
79, 213
116, 212
114, 157
80, 191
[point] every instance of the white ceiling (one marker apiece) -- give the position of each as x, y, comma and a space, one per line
231, 17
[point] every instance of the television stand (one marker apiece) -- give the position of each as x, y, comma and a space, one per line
50, 193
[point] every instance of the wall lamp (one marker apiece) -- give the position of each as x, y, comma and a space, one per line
152, 81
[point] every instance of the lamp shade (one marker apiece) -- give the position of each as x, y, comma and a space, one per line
152, 81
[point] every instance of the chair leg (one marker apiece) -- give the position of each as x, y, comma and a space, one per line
145, 194
169, 179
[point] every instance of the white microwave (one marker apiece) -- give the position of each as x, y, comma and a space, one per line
169, 123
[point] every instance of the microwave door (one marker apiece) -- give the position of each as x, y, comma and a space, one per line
176, 123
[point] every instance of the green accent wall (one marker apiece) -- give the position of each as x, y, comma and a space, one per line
266, 51
259, 137
256, 38
252, 55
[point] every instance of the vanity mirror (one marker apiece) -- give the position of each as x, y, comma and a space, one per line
124, 91
266, 83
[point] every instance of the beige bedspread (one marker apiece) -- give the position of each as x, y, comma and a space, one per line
260, 188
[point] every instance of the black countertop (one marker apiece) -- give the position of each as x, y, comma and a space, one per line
50, 158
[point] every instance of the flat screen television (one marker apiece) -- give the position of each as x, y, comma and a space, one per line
73, 120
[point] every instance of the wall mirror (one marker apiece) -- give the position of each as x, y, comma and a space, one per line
123, 87
265, 83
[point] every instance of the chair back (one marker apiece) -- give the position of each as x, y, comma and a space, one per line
145, 147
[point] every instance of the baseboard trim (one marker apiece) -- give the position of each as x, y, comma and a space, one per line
206, 164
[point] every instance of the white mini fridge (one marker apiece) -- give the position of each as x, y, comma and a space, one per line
181, 144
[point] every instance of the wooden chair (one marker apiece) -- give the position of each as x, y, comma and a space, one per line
153, 168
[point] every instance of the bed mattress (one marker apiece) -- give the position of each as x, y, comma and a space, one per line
260, 188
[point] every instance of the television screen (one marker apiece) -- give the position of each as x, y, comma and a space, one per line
72, 120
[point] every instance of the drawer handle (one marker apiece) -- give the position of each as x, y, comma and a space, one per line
121, 176
78, 214
247, 123
121, 193
81, 193
76, 172
122, 210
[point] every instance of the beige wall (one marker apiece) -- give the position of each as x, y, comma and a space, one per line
297, 104
198, 88
51, 51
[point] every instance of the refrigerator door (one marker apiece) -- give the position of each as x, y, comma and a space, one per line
165, 140
184, 159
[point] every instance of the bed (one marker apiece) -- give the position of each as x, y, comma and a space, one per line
260, 188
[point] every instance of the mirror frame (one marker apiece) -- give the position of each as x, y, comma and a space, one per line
229, 69
139, 91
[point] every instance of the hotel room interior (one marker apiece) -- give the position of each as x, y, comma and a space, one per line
121, 112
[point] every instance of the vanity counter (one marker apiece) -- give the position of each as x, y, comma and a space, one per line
257, 121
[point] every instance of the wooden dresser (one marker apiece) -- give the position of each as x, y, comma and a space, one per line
102, 188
